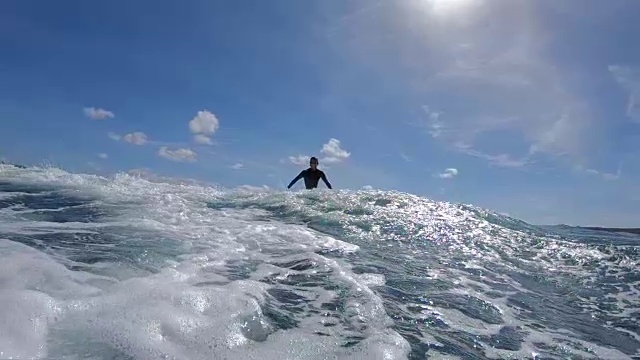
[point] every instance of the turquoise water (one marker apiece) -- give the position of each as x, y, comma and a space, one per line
125, 267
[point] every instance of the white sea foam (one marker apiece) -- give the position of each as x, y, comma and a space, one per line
188, 309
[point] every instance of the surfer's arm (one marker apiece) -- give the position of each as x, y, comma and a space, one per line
296, 179
326, 182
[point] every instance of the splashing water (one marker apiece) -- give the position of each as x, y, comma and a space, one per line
124, 267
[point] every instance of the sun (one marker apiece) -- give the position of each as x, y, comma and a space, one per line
449, 7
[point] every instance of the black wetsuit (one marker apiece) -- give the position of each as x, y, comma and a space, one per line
311, 178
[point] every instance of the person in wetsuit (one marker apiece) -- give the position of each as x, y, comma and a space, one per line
311, 176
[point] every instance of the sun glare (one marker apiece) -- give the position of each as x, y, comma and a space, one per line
448, 7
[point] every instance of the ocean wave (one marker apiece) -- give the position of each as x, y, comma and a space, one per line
137, 266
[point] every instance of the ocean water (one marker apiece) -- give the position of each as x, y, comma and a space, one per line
132, 268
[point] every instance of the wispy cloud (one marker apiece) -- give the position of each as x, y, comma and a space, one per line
203, 126
139, 172
103, 156
434, 124
461, 139
499, 94
502, 160
114, 136
237, 166
343, 21
140, 138
136, 138
602, 174
449, 173
94, 166
98, 114
557, 128
179, 155
629, 78
405, 157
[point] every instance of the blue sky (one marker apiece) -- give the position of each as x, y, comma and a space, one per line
530, 108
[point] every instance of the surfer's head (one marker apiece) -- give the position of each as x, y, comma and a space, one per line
313, 162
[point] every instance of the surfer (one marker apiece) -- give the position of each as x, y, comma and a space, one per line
311, 176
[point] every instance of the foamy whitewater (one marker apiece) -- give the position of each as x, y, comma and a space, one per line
133, 268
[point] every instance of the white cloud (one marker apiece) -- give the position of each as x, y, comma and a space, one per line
299, 160
334, 154
103, 156
205, 123
202, 139
136, 138
449, 173
98, 114
330, 160
237, 166
114, 136
333, 151
179, 155
629, 78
